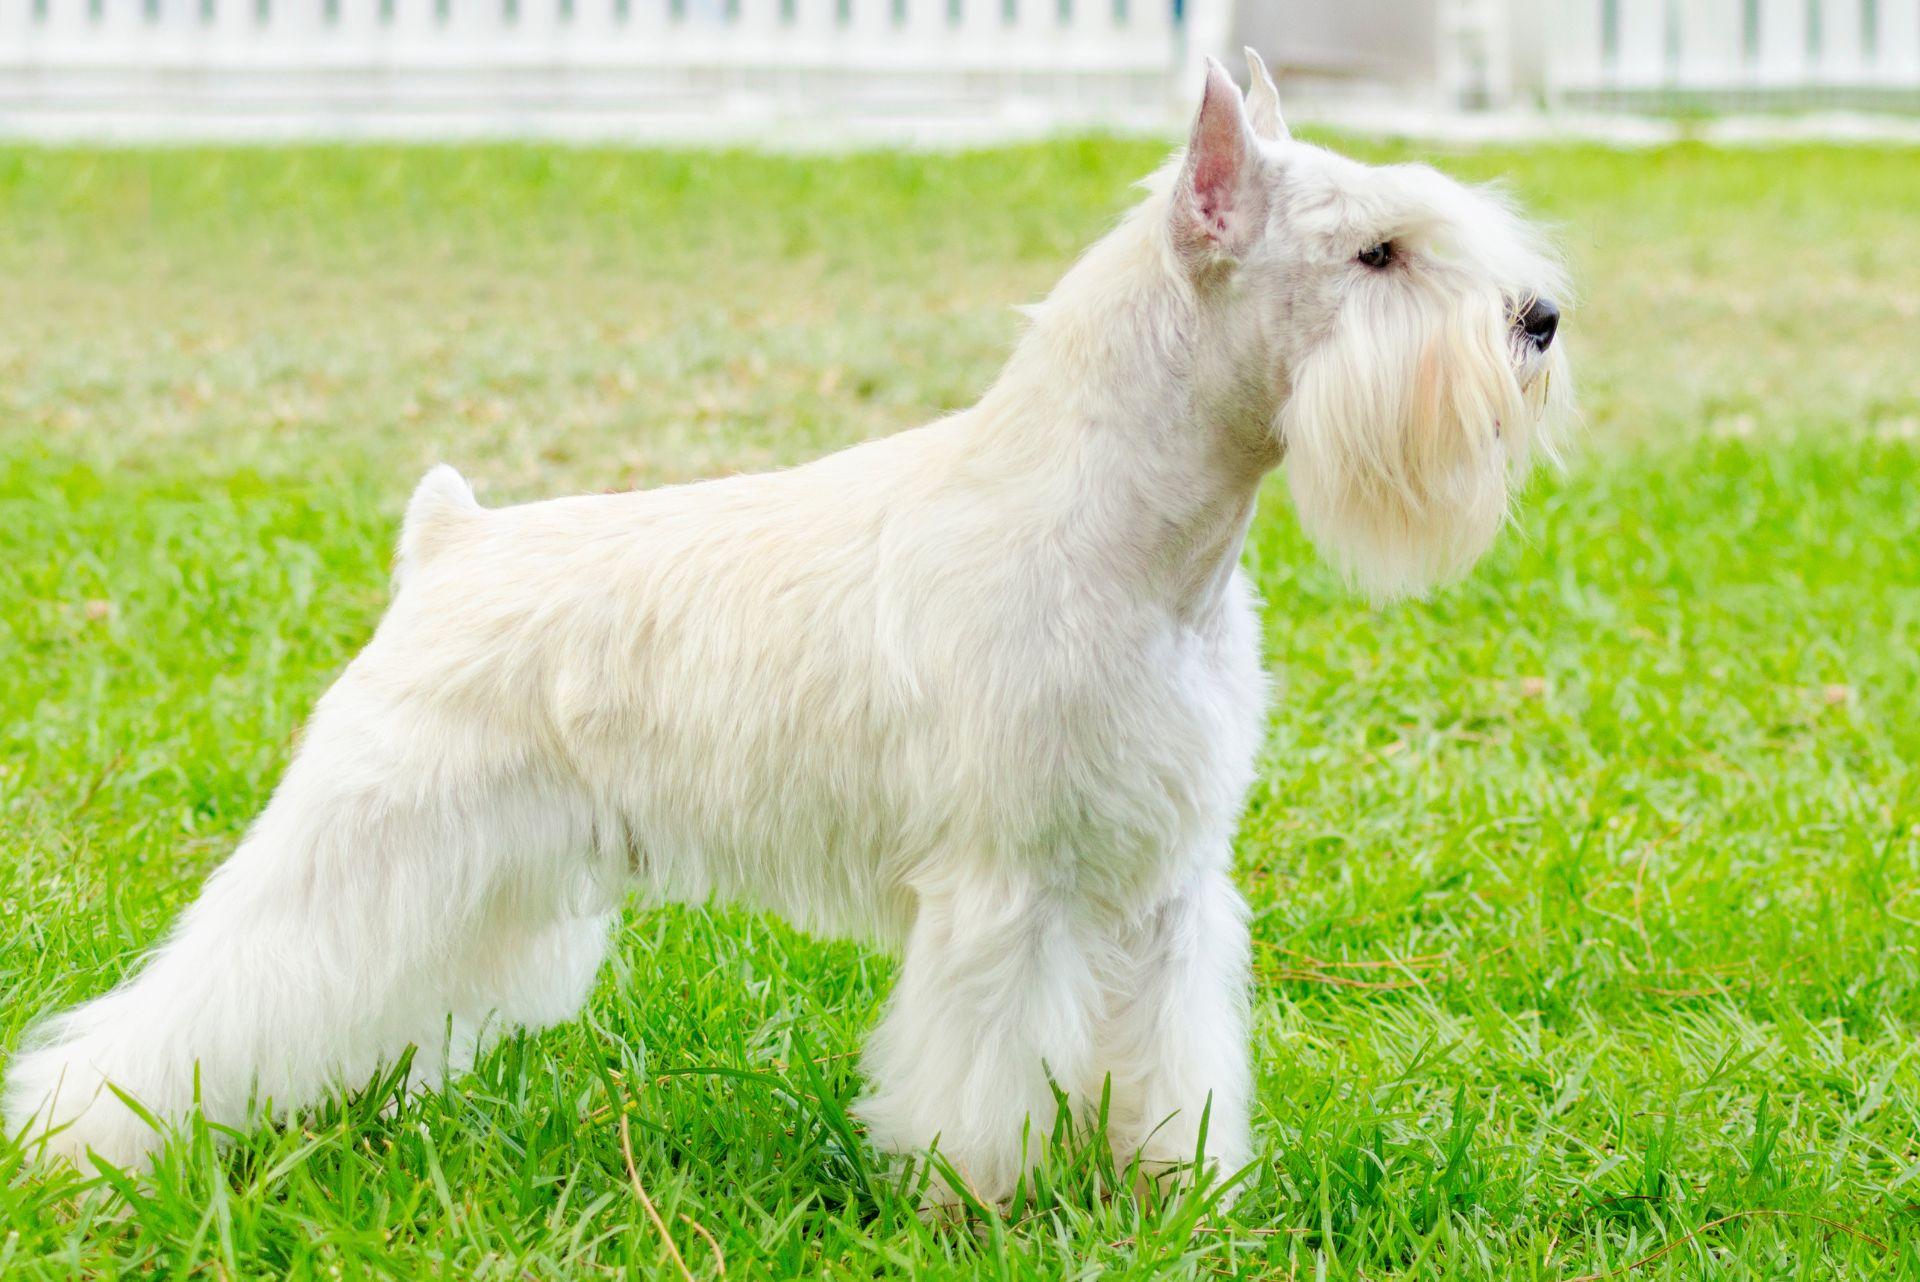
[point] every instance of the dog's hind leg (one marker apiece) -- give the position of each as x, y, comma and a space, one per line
402, 875
530, 971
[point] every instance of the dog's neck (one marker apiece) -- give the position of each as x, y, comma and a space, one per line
1147, 434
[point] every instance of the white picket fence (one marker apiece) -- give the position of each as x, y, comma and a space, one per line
1735, 54
691, 70
831, 71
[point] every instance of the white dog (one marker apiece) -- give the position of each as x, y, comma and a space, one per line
987, 693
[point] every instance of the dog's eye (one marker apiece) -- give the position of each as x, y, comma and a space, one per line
1377, 256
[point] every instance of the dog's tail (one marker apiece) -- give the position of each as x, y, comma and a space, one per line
439, 515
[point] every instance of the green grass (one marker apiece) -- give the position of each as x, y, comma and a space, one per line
1586, 893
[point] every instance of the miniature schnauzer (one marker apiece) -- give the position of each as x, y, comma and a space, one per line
987, 693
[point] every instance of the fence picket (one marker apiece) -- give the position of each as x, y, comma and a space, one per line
1739, 53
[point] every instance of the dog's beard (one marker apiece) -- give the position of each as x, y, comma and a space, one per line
1404, 431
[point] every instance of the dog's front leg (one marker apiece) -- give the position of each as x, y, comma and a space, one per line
995, 997
1174, 1039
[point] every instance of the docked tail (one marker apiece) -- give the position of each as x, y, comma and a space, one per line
439, 516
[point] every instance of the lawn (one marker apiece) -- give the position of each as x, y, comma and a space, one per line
1587, 893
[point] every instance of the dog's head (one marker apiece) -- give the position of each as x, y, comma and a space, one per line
1405, 327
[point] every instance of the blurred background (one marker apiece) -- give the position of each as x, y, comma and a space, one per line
818, 72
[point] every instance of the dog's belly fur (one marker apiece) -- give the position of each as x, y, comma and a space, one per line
739, 710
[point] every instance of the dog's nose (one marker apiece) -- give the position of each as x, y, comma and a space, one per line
1539, 322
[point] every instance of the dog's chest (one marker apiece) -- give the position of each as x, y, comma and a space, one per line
1116, 747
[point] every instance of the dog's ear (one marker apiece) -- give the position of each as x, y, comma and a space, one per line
1219, 204
1263, 101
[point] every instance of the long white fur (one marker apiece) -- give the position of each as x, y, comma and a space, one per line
986, 693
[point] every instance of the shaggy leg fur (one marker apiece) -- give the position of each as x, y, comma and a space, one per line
996, 996
375, 904
1175, 1040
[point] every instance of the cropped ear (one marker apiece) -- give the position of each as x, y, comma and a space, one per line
1219, 204
1263, 101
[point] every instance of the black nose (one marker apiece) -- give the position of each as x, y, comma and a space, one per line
1539, 322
